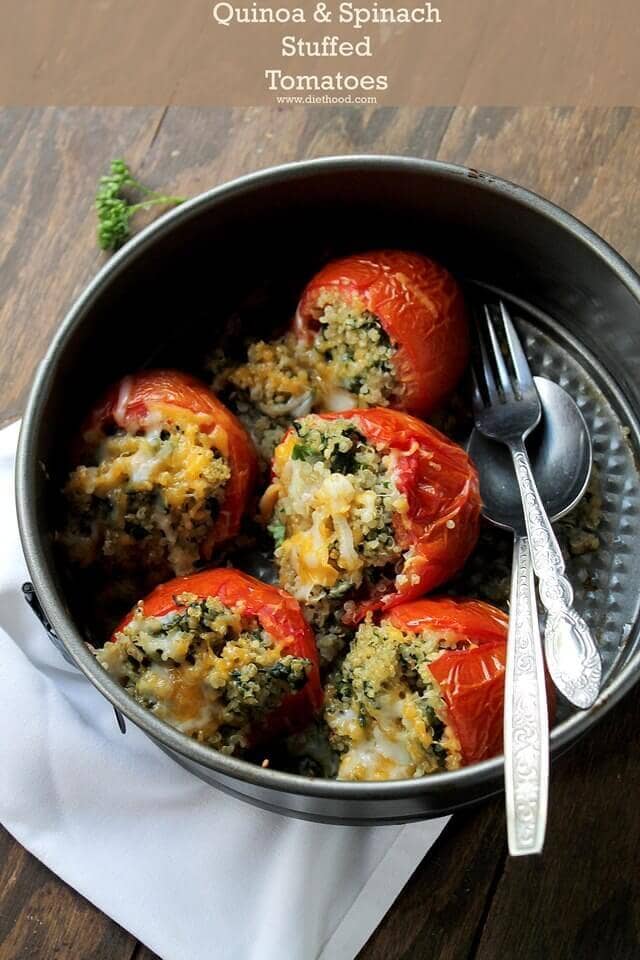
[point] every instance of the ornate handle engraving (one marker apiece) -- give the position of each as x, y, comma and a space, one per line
572, 656
526, 722
566, 638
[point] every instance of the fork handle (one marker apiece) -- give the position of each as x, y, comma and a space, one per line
572, 656
526, 718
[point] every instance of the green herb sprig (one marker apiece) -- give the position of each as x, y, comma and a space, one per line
115, 208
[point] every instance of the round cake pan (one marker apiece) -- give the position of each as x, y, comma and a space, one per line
241, 253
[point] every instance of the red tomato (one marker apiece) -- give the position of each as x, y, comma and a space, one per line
276, 611
472, 685
441, 526
472, 619
129, 405
420, 307
471, 679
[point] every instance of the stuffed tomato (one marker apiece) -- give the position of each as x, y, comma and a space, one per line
421, 692
387, 328
372, 506
163, 473
222, 657
392, 327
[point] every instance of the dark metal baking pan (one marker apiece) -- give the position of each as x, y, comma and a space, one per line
245, 250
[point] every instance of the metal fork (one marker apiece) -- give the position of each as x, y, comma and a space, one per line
507, 408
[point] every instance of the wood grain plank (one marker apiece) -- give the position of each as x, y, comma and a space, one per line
582, 897
47, 225
197, 148
13, 121
437, 915
40, 916
143, 953
586, 160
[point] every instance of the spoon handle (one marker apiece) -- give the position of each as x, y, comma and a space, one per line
526, 718
572, 656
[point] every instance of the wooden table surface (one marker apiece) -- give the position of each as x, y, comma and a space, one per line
581, 899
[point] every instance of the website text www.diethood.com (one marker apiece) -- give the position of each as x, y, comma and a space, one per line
326, 99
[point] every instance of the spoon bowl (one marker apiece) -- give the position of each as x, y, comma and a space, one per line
561, 457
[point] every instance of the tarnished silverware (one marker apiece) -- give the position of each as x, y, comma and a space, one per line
562, 475
507, 408
562, 470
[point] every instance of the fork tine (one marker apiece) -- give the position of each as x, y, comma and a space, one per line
483, 371
477, 398
518, 358
503, 374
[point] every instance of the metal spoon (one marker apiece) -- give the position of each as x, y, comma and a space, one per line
561, 458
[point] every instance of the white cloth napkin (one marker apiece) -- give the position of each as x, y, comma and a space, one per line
186, 869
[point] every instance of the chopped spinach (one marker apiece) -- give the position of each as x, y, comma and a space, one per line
342, 587
277, 531
436, 724
344, 461
302, 452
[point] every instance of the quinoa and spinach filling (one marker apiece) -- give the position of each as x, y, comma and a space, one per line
333, 522
334, 511
357, 351
148, 499
386, 717
206, 669
349, 364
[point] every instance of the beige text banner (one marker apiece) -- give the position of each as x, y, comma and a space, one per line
468, 52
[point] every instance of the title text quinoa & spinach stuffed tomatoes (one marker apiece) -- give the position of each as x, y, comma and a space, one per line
163, 472
422, 691
386, 328
222, 657
368, 508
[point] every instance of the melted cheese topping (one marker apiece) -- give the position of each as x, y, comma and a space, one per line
150, 495
208, 670
334, 497
330, 504
384, 710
